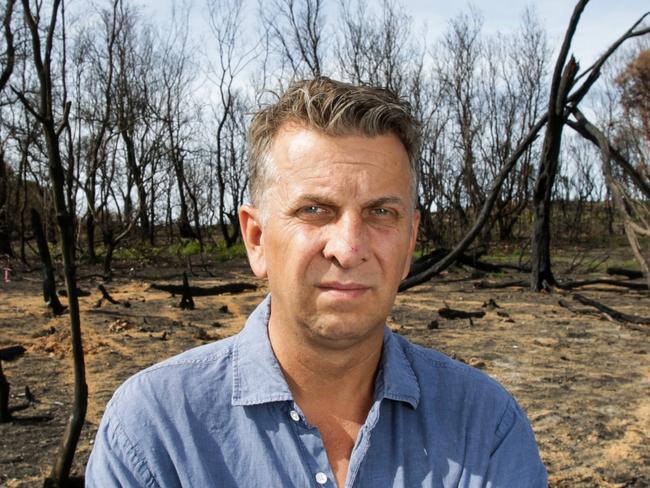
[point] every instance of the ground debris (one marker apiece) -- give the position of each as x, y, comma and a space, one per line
453, 314
432, 325
119, 325
206, 291
609, 312
490, 304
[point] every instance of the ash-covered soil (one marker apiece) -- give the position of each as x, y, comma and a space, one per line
584, 380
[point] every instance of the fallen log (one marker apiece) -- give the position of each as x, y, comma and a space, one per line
472, 260
503, 284
107, 296
11, 353
633, 274
578, 311
453, 314
78, 291
479, 265
610, 312
426, 261
206, 291
570, 285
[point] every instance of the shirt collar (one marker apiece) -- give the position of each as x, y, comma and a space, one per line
396, 379
257, 377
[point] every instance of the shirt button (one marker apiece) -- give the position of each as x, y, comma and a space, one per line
294, 415
321, 478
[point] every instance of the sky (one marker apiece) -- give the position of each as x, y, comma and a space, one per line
602, 21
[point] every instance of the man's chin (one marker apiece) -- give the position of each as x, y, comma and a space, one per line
344, 329
348, 302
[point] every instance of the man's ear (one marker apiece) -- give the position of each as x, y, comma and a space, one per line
251, 228
415, 225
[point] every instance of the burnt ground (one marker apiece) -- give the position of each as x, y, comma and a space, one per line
583, 379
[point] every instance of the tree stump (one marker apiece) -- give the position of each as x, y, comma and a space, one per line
7, 354
187, 303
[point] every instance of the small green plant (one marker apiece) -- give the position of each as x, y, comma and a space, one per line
140, 252
191, 248
223, 253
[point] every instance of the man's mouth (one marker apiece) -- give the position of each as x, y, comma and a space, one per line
342, 290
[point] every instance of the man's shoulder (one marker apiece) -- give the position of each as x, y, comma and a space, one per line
192, 360
438, 373
473, 418
188, 373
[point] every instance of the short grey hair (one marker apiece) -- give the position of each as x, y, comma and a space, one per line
334, 108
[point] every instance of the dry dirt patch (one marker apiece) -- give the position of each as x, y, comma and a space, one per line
584, 381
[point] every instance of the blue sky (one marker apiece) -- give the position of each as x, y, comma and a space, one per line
602, 21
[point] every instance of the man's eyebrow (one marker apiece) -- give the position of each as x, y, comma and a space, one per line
325, 200
315, 198
378, 202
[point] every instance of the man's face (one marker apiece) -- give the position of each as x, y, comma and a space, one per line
338, 232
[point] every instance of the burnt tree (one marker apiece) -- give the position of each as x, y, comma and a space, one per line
49, 282
587, 78
562, 82
43, 108
7, 69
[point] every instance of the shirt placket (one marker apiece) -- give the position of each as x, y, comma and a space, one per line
362, 444
314, 451
314, 454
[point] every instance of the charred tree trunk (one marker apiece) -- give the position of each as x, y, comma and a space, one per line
7, 354
5, 227
109, 248
136, 172
63, 463
187, 302
49, 283
89, 224
21, 203
184, 227
5, 415
44, 113
230, 232
563, 78
541, 272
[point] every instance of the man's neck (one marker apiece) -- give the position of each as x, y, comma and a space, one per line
334, 388
339, 376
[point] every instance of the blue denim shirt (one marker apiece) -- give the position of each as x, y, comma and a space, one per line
222, 415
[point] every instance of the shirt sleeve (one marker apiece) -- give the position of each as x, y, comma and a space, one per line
515, 459
115, 460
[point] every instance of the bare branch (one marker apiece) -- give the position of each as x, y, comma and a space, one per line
64, 121
9, 38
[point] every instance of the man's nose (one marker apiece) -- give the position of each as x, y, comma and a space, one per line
347, 241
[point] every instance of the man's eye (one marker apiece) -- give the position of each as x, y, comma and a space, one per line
381, 212
313, 209
311, 212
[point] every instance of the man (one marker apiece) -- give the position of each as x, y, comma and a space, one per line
316, 391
